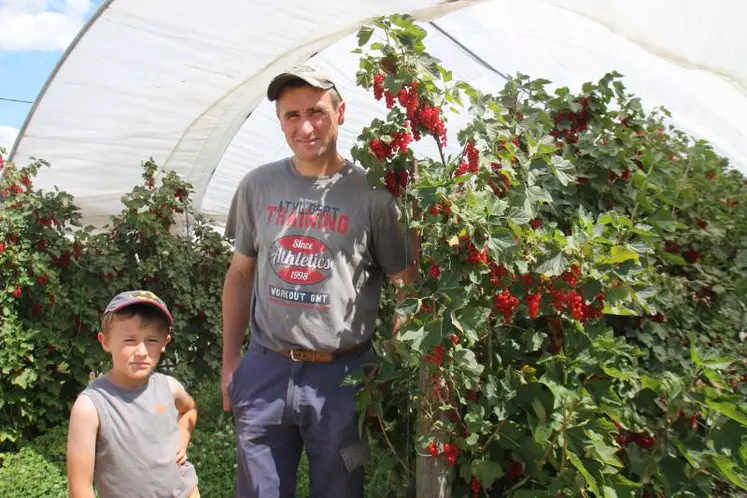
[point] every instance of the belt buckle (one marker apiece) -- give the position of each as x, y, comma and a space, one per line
292, 352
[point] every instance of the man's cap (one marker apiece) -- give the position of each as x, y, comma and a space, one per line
128, 298
309, 74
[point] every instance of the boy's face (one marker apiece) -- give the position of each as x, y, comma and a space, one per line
135, 348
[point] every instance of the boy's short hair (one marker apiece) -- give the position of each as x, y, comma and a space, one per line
143, 304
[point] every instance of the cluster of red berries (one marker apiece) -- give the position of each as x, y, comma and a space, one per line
13, 189
436, 356
506, 304
475, 486
572, 123
473, 156
625, 175
515, 470
497, 272
691, 255
396, 181
499, 189
642, 440
400, 140
573, 301
422, 116
473, 160
533, 301
440, 208
450, 451
434, 270
474, 256
576, 305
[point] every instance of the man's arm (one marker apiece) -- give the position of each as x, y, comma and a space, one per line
81, 447
237, 296
187, 409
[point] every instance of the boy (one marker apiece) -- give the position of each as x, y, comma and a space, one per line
130, 428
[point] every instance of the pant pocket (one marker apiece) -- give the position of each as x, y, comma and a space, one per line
355, 455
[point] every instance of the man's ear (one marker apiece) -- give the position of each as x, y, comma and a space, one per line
104, 341
341, 113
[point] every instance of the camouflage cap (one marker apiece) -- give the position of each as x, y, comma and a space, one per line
128, 298
309, 74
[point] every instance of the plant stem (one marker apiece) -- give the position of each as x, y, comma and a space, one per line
389, 443
516, 486
493, 435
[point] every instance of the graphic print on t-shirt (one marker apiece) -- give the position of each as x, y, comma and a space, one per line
303, 260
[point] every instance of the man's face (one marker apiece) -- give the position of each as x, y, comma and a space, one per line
310, 120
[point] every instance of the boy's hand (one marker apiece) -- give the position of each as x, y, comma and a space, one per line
187, 418
181, 452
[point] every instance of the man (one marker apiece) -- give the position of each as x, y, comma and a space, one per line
313, 244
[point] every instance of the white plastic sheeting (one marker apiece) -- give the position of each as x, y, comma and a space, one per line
183, 81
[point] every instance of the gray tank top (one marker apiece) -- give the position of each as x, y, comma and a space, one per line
137, 442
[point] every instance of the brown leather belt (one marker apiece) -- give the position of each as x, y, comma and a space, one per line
320, 357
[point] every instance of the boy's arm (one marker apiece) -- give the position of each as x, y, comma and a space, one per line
81, 447
187, 409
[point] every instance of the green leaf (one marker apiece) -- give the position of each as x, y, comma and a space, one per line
26, 377
620, 293
519, 215
726, 467
694, 353
673, 258
616, 373
465, 358
501, 240
471, 321
718, 363
553, 266
728, 409
663, 220
618, 310
650, 383
487, 472
536, 194
619, 254
364, 34
415, 336
561, 168
539, 410
609, 492
590, 481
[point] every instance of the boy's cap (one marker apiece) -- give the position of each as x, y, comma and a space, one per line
128, 298
309, 74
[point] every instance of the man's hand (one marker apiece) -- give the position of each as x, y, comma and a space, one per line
236, 301
229, 367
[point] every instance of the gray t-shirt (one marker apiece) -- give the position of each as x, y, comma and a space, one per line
323, 246
137, 442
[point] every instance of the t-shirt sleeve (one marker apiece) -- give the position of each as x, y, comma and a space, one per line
393, 247
240, 222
